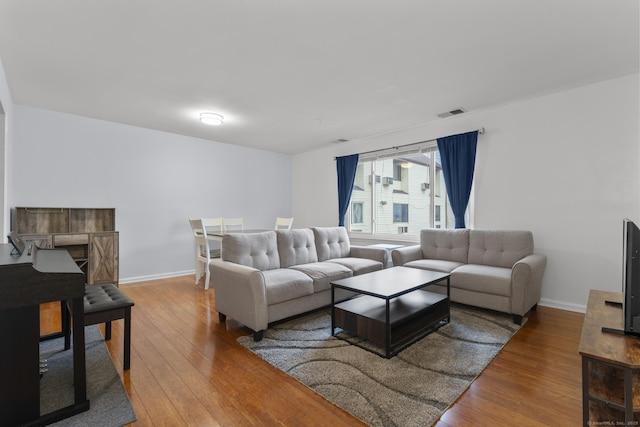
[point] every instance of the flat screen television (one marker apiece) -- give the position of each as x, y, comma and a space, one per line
630, 280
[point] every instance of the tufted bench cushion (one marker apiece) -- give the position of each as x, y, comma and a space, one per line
104, 297
102, 304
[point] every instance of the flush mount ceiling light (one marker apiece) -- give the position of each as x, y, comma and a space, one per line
211, 119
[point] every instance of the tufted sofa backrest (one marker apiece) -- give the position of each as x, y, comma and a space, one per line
296, 247
331, 242
447, 245
499, 248
257, 250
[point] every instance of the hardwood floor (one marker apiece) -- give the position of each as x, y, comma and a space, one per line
188, 370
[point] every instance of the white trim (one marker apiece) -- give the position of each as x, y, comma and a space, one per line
578, 308
156, 276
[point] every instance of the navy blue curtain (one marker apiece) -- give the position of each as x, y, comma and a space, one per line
458, 155
346, 166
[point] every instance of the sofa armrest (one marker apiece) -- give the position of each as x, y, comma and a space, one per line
375, 254
401, 256
240, 293
526, 283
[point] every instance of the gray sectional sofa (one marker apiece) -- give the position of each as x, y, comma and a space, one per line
491, 269
265, 277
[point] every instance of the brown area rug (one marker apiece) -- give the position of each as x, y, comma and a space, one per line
412, 389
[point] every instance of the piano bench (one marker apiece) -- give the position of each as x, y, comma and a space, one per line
103, 304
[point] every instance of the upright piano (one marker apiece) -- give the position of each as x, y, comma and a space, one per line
26, 280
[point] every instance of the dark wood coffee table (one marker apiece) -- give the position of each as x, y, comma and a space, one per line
391, 310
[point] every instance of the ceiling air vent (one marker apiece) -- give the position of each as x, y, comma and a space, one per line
453, 112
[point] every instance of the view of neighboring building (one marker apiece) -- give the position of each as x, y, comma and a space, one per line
400, 194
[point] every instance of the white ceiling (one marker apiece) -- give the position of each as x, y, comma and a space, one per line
294, 75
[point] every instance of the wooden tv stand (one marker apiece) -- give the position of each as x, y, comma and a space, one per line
610, 365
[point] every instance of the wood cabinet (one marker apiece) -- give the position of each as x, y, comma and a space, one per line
88, 234
103, 258
610, 365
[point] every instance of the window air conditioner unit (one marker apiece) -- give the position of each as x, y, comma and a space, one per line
424, 186
387, 180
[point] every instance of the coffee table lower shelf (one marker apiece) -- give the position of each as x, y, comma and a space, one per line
410, 317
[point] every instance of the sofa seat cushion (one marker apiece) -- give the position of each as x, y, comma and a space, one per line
434, 265
284, 284
358, 265
482, 278
323, 273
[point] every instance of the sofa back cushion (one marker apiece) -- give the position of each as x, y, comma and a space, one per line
331, 242
296, 247
446, 245
257, 250
499, 248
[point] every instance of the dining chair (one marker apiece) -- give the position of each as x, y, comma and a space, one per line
213, 225
233, 224
283, 223
204, 253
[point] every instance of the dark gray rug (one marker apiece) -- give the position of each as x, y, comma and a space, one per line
412, 389
110, 404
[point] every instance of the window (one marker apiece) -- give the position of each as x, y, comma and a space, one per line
400, 212
392, 184
397, 170
357, 212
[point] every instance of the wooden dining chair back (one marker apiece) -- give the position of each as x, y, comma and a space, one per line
233, 224
204, 253
213, 225
283, 223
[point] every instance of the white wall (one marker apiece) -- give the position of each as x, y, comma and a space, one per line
6, 130
564, 166
155, 180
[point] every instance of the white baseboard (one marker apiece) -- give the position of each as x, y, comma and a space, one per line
156, 276
563, 305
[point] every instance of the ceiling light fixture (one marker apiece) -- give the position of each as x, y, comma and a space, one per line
211, 119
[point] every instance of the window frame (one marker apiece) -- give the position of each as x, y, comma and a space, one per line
446, 215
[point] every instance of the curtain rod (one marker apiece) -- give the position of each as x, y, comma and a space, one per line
480, 131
